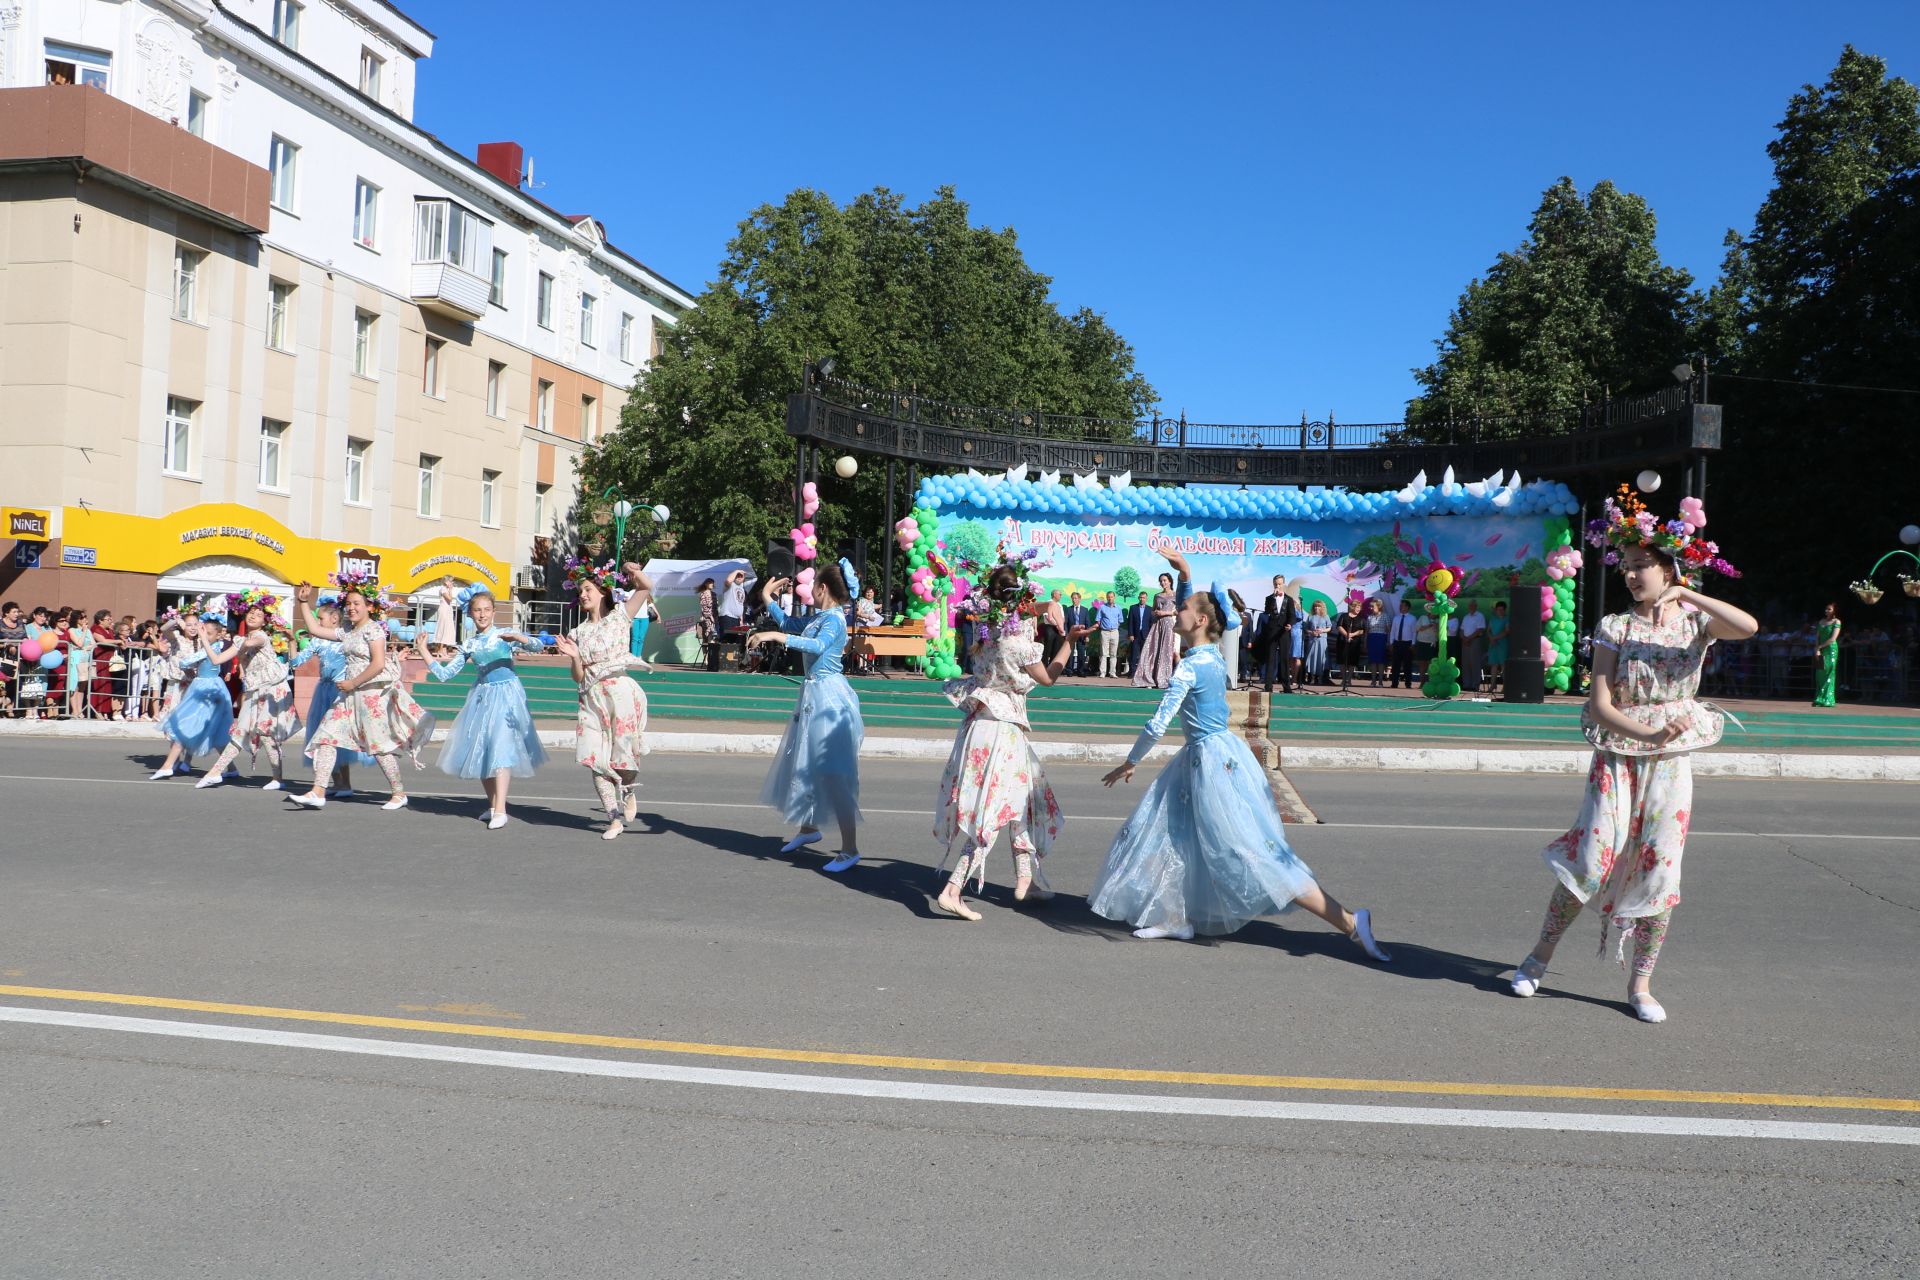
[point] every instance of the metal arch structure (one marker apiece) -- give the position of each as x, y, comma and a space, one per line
1607, 440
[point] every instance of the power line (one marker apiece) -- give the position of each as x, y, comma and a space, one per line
1834, 386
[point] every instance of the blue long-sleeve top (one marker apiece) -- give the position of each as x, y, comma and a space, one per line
490, 651
333, 662
821, 639
1197, 694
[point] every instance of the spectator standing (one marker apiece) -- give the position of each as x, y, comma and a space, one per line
733, 601
1350, 630
1106, 616
1379, 632
13, 633
1317, 626
1077, 616
1473, 646
1826, 655
1139, 622
80, 644
1275, 642
1426, 640
1497, 643
1406, 633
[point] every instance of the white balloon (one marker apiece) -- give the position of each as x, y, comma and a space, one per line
1911, 535
846, 467
1647, 481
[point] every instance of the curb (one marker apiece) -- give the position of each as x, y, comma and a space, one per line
1710, 764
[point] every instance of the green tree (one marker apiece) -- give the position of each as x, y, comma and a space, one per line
1584, 308
971, 540
1126, 584
913, 298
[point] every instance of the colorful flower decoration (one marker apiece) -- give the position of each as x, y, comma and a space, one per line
1626, 522
360, 583
1564, 562
1002, 615
805, 544
809, 500
606, 576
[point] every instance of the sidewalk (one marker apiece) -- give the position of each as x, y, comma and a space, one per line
754, 738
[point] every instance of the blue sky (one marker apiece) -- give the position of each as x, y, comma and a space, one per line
1277, 204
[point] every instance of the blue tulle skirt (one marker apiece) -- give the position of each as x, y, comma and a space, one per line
325, 694
204, 719
493, 731
816, 775
1204, 847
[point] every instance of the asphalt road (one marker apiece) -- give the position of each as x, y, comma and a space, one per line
1791, 969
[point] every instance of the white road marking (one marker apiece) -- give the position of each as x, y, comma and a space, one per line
977, 1095
585, 799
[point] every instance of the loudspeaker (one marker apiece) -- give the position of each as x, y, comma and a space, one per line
854, 552
1526, 674
779, 558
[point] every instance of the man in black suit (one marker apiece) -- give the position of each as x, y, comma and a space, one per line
1139, 622
1274, 643
1078, 615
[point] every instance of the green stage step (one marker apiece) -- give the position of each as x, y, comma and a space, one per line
911, 702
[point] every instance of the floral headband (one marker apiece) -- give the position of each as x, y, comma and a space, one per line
1000, 614
354, 582
606, 576
1626, 523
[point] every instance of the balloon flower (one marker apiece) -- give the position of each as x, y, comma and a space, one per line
1693, 513
1441, 579
805, 546
809, 499
1548, 654
803, 583
1563, 562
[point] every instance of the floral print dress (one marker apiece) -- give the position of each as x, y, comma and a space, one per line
379, 718
1626, 848
993, 780
267, 714
613, 709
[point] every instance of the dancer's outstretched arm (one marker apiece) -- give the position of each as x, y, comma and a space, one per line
1178, 690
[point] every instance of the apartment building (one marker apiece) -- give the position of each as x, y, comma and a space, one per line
256, 324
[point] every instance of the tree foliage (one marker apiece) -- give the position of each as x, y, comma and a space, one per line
1583, 308
911, 298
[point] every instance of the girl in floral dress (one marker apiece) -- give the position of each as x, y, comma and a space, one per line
493, 738
817, 770
267, 716
993, 779
326, 692
1204, 851
612, 729
1643, 720
375, 715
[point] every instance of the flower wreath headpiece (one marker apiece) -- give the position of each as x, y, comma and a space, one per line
1001, 615
358, 583
238, 602
605, 576
1626, 523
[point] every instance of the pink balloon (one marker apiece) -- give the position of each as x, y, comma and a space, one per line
30, 651
1548, 654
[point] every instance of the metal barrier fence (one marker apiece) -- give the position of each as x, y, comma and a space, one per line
109, 681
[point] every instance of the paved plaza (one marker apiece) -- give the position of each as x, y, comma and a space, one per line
240, 1041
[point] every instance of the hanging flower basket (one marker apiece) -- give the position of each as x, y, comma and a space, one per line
1866, 590
1910, 585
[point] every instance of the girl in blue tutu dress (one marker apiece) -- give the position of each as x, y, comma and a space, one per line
493, 738
817, 770
203, 720
1204, 852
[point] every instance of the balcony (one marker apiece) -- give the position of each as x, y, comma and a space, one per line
450, 241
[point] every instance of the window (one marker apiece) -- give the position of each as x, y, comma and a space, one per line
589, 419
543, 302
357, 471
280, 315
659, 343
286, 23
626, 337
371, 65
429, 485
496, 376
587, 301
177, 445
489, 495
543, 406
273, 437
197, 113
366, 213
540, 510
363, 353
282, 158
454, 234
497, 282
70, 64
430, 375
186, 282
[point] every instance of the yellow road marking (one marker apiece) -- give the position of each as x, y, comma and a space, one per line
965, 1066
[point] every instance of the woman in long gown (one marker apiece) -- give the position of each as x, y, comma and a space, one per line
1204, 851
1826, 656
816, 774
1627, 845
493, 739
612, 728
1158, 653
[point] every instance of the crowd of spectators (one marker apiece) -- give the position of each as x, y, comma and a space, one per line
64, 663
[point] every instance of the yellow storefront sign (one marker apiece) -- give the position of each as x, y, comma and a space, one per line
159, 544
27, 524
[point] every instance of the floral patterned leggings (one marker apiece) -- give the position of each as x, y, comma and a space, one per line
974, 861
613, 795
323, 758
1649, 932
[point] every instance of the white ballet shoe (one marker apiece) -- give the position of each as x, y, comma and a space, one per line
211, 780
613, 830
805, 837
1646, 1008
496, 822
272, 785
1527, 976
958, 910
398, 802
1178, 932
160, 775
1363, 934
629, 807
841, 863
307, 800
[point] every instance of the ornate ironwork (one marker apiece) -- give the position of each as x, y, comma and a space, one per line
1606, 439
